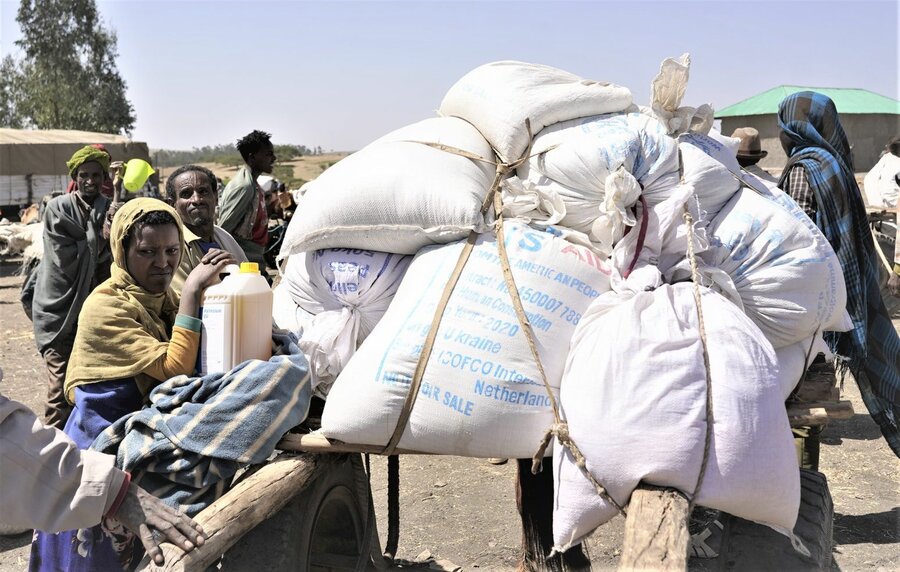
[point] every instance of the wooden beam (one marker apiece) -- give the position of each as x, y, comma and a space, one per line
656, 531
238, 511
820, 413
316, 443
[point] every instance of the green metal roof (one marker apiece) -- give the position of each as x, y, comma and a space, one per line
847, 100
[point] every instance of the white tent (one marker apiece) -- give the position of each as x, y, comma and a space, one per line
33, 162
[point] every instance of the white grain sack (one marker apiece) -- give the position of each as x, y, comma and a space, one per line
634, 397
708, 166
779, 267
397, 195
498, 97
481, 394
344, 292
579, 159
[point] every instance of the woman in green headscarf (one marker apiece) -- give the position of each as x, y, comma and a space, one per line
133, 333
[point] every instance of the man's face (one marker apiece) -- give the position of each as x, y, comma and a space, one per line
89, 177
195, 201
263, 160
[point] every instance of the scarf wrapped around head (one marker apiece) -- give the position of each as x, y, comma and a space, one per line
122, 328
871, 350
810, 119
86, 154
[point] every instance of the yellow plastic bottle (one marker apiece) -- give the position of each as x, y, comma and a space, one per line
237, 320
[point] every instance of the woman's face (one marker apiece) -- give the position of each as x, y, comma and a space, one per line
786, 143
153, 255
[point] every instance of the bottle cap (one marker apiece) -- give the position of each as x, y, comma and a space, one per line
249, 268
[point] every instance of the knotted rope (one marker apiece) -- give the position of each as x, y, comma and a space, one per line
695, 278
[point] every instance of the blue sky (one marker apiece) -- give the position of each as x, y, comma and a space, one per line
340, 74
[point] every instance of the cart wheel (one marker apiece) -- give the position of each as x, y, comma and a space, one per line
748, 546
327, 527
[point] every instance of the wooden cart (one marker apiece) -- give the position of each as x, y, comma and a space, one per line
310, 508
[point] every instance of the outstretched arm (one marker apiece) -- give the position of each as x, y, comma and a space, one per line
51, 485
143, 513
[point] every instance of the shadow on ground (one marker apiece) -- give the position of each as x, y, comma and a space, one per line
860, 427
16, 541
874, 528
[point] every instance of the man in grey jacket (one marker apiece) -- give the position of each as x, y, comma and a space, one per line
76, 259
47, 483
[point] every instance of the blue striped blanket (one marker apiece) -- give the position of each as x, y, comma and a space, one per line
198, 431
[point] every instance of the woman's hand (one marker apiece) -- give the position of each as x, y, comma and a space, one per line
894, 283
209, 270
144, 514
204, 275
117, 168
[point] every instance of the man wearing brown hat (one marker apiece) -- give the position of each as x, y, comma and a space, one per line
750, 153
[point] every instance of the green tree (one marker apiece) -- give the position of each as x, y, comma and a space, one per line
67, 78
9, 93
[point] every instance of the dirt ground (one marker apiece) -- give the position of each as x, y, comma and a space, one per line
463, 510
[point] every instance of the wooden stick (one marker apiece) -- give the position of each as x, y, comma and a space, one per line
246, 505
818, 413
881, 256
316, 443
656, 531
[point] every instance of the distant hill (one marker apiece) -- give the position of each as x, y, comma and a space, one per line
226, 154
293, 172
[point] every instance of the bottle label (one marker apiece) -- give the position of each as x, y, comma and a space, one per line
212, 339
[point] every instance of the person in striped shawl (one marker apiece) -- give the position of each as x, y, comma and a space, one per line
819, 176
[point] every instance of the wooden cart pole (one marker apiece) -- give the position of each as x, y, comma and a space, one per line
656, 531
239, 510
317, 443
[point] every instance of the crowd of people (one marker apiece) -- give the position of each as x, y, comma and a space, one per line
115, 312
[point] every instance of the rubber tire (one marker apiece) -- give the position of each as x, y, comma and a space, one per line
328, 526
748, 546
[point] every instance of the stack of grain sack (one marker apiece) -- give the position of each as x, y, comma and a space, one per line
593, 196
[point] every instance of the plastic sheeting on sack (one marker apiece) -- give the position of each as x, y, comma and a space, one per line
342, 293
481, 394
397, 194
667, 91
634, 397
598, 166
